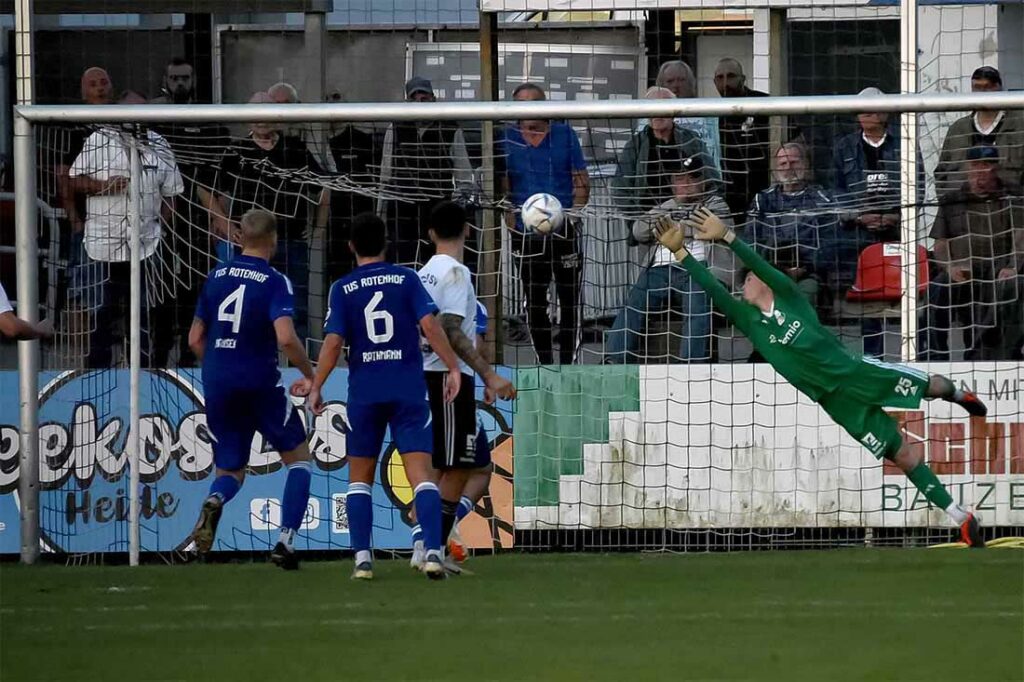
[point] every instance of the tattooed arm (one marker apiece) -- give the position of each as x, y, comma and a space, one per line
465, 348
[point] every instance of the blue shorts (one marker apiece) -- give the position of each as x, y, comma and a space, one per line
235, 415
410, 423
483, 446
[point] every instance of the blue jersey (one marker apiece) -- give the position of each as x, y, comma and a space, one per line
239, 303
377, 309
481, 319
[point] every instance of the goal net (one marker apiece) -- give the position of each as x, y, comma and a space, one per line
645, 417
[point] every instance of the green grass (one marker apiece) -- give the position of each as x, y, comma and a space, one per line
851, 614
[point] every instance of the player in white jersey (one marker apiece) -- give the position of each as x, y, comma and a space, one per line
450, 284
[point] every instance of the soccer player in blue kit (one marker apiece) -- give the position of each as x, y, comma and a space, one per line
243, 316
379, 309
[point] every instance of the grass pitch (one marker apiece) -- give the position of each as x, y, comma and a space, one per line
845, 614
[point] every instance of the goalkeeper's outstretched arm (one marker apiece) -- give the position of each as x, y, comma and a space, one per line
708, 226
671, 237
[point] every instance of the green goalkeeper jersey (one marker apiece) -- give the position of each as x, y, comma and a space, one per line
790, 337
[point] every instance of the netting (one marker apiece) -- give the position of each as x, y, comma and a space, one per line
645, 416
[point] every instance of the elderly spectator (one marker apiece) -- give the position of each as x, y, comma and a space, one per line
1003, 130
285, 93
665, 285
643, 178
102, 171
677, 77
277, 173
198, 149
423, 163
744, 139
545, 156
794, 222
979, 246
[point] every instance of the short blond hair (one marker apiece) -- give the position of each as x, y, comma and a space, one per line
258, 226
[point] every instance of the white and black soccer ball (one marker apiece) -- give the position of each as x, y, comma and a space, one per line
542, 213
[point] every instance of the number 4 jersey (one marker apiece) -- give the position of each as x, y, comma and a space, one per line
377, 309
239, 303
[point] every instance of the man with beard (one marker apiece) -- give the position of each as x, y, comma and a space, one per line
188, 249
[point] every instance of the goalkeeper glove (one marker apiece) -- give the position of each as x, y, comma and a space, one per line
707, 226
668, 233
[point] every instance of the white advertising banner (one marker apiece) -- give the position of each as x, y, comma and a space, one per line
736, 446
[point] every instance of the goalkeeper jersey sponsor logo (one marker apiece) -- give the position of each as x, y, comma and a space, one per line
793, 332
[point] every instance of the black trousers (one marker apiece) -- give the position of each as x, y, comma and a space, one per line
115, 306
540, 261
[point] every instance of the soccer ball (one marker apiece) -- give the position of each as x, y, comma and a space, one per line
542, 213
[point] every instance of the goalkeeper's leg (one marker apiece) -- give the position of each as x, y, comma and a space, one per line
943, 388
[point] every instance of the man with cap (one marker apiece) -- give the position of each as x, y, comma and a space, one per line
423, 164
979, 248
1003, 130
665, 286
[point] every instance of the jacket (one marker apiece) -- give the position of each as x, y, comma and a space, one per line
985, 232
870, 191
629, 188
795, 230
1008, 138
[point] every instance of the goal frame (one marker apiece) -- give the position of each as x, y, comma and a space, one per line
27, 117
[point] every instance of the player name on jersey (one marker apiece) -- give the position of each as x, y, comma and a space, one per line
242, 273
372, 281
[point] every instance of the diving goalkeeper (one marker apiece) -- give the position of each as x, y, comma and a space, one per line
785, 329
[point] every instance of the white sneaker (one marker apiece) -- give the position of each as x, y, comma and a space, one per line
419, 555
433, 568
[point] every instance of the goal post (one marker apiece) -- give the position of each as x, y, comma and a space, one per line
148, 447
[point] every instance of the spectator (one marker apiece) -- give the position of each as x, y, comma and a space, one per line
96, 89
665, 285
423, 163
1003, 130
356, 154
678, 78
794, 222
979, 247
102, 171
744, 141
17, 329
190, 249
642, 180
545, 156
285, 93
276, 173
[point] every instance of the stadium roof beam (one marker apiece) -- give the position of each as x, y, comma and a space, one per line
169, 6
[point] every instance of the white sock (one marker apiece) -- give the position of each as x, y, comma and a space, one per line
417, 546
957, 513
287, 538
364, 555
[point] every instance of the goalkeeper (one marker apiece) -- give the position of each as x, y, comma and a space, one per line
785, 329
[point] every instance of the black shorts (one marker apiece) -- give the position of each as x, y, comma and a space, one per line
454, 423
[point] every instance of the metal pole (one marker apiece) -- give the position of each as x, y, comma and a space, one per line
497, 111
490, 237
908, 183
135, 343
28, 351
27, 247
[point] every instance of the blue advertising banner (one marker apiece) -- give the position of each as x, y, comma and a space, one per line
83, 462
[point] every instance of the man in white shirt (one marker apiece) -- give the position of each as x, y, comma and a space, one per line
102, 172
17, 329
450, 284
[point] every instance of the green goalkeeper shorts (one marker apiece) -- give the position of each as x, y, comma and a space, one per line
857, 406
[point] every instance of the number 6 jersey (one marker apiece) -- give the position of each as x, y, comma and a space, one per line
239, 303
377, 309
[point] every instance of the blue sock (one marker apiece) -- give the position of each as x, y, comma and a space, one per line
417, 533
296, 495
224, 487
428, 513
465, 507
359, 502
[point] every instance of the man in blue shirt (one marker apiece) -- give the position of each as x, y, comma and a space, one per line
545, 156
379, 309
243, 316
